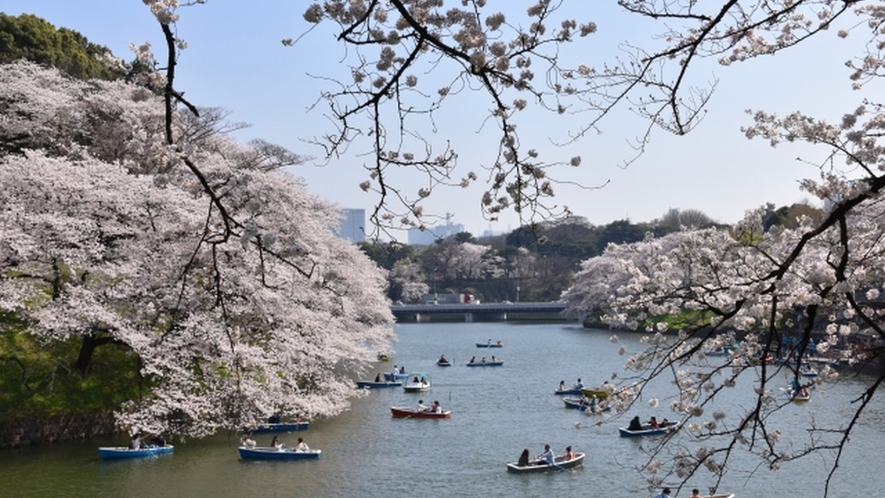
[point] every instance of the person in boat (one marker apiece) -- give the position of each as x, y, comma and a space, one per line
276, 443
415, 380
665, 493
547, 457
523, 458
494, 359
158, 440
273, 419
499, 343
562, 385
490, 342
635, 424
579, 384
665, 422
653, 422
442, 359
483, 359
378, 377
569, 454
593, 403
695, 493
394, 373
421, 406
424, 380
136, 442
473, 359
302, 446
247, 441
402, 369
435, 408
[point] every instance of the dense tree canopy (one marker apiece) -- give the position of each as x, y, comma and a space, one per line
32, 38
227, 284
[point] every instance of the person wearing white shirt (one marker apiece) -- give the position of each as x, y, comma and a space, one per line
302, 446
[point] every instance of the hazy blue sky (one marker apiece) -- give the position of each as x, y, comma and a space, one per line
235, 60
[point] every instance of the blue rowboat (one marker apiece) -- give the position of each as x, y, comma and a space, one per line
399, 376
648, 430
561, 463
572, 391
489, 345
114, 452
369, 384
270, 453
486, 364
277, 427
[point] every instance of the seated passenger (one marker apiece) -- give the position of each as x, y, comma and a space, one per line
635, 424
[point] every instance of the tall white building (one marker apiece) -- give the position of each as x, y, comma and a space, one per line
353, 225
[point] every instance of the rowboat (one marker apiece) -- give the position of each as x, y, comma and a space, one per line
489, 344
648, 430
719, 495
498, 363
114, 452
717, 352
540, 466
442, 362
582, 405
277, 427
399, 376
271, 453
800, 397
599, 392
417, 383
370, 384
572, 391
576, 403
807, 370
407, 412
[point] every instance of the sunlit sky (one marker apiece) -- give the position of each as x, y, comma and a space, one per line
235, 60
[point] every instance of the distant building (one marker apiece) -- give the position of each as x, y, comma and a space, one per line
353, 225
431, 234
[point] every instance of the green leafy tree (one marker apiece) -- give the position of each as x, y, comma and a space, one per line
32, 38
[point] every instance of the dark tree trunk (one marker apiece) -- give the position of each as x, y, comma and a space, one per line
87, 348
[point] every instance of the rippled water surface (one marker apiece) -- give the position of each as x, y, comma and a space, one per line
496, 412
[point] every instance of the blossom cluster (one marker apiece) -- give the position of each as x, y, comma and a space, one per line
240, 302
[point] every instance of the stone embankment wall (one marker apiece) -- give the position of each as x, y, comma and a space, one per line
56, 430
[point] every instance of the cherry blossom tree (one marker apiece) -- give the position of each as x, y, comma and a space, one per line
407, 277
225, 278
742, 285
777, 294
408, 60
